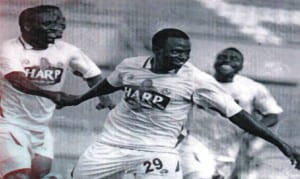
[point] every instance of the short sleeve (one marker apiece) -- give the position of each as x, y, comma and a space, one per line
265, 103
83, 64
115, 78
210, 94
9, 60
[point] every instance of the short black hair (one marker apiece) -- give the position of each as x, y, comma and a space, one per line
159, 39
233, 49
29, 14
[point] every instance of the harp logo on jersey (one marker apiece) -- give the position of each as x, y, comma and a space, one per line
145, 96
45, 74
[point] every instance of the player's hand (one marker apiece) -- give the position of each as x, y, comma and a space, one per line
70, 100
292, 154
218, 176
296, 159
105, 102
62, 99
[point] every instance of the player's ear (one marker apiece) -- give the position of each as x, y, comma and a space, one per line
27, 26
157, 50
154, 48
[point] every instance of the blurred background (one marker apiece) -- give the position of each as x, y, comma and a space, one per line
267, 33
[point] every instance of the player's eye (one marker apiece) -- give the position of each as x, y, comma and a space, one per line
174, 52
234, 59
60, 26
47, 23
222, 57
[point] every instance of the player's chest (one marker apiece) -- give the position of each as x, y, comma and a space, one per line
44, 59
44, 67
155, 88
242, 93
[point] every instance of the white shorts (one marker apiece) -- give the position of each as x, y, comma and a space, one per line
105, 161
18, 147
195, 157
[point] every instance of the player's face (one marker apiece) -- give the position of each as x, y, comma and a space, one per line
60, 24
228, 63
175, 53
47, 27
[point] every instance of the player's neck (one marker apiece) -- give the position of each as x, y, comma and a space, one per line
159, 68
224, 78
156, 67
35, 44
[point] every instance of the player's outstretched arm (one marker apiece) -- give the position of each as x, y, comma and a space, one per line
246, 122
101, 88
19, 81
104, 101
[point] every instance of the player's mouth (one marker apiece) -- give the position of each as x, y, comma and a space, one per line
51, 37
178, 63
225, 68
59, 35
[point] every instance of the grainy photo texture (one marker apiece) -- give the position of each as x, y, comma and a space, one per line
149, 89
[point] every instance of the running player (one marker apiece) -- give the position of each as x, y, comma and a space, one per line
253, 98
32, 71
140, 133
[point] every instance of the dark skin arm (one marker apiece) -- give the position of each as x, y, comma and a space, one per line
19, 81
101, 88
245, 121
268, 120
105, 100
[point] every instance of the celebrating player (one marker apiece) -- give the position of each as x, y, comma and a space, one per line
33, 68
253, 98
140, 133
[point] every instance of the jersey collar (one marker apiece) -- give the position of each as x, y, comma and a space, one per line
25, 45
147, 63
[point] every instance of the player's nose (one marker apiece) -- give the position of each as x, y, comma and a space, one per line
184, 56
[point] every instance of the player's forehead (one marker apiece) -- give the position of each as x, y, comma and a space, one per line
230, 53
49, 15
177, 42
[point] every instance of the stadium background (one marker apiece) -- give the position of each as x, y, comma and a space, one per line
267, 32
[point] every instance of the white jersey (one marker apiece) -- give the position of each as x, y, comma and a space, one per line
46, 69
222, 136
252, 96
155, 106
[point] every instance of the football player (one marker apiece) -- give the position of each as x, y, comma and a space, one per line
255, 99
241, 150
33, 68
140, 134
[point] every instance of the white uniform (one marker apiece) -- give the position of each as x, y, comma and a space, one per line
256, 100
252, 97
196, 157
149, 118
24, 118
